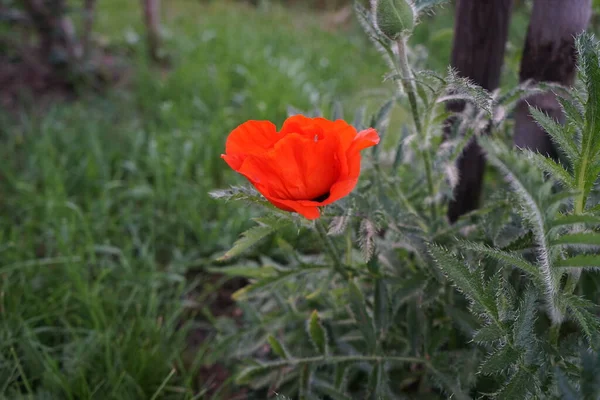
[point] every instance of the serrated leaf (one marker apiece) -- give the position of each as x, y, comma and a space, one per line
277, 347
264, 283
499, 361
249, 239
551, 167
533, 213
518, 387
557, 132
359, 311
317, 334
489, 333
577, 239
580, 261
573, 110
461, 88
464, 280
524, 325
506, 258
588, 61
572, 219
578, 308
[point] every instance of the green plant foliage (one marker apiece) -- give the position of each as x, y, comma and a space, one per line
410, 306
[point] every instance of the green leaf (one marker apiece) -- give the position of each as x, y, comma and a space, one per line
557, 132
577, 239
252, 236
572, 219
467, 282
500, 361
518, 387
317, 333
523, 331
567, 391
248, 290
448, 383
550, 166
363, 319
460, 88
304, 381
573, 110
424, 5
506, 258
533, 213
588, 61
359, 118
277, 347
251, 373
580, 261
376, 382
381, 309
578, 310
245, 271
329, 391
489, 333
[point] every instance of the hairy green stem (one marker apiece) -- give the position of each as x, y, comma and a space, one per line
331, 249
407, 84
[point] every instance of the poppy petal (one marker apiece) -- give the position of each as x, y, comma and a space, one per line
308, 209
297, 168
364, 139
251, 137
341, 189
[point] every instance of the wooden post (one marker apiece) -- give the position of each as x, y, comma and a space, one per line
549, 56
480, 33
152, 20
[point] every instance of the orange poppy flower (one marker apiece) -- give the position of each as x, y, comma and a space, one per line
310, 163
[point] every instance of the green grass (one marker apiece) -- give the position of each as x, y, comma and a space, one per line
104, 205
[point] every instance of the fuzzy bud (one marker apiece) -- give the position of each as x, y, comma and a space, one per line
394, 17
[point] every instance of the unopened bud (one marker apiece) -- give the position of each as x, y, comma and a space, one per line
394, 17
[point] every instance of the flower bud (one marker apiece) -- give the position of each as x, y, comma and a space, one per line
394, 17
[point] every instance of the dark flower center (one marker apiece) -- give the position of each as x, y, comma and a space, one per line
321, 198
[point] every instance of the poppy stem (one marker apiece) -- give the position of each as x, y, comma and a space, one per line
407, 84
331, 249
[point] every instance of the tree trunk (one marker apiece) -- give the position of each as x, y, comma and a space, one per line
549, 56
480, 33
152, 20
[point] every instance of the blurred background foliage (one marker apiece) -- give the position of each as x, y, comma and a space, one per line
105, 220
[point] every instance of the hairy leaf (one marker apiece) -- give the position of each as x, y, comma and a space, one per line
465, 281
277, 347
361, 315
499, 361
559, 134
